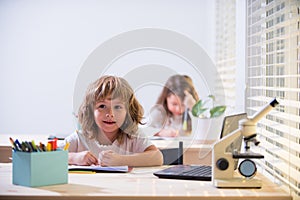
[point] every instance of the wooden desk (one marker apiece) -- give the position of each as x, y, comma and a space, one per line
5, 154
140, 183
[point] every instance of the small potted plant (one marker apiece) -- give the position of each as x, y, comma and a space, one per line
207, 119
199, 109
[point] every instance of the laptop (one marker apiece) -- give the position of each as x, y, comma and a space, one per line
204, 172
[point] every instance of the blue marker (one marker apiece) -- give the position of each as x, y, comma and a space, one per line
28, 146
18, 145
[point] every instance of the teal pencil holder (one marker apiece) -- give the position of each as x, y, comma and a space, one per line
40, 168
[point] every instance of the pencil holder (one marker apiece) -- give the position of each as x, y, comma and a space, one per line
40, 168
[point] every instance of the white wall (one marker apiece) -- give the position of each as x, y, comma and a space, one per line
45, 42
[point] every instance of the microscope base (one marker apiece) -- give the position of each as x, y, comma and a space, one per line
237, 183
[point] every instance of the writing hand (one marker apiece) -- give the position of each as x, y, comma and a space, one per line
170, 132
86, 158
189, 100
110, 158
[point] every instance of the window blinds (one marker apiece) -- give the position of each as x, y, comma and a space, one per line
273, 70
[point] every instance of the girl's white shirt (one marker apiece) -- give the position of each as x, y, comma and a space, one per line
79, 142
158, 118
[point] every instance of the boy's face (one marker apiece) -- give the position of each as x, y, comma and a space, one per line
175, 105
109, 115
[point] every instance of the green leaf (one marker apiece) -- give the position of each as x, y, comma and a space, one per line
198, 108
212, 97
217, 111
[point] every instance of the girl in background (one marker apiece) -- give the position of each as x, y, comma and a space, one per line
170, 113
109, 117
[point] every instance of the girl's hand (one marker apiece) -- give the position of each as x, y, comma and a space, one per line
189, 100
85, 158
170, 132
110, 158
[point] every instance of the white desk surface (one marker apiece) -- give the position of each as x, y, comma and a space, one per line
139, 183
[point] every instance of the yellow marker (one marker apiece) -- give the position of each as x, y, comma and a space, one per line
82, 172
184, 125
185, 118
67, 146
48, 147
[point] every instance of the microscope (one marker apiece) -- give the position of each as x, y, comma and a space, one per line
223, 162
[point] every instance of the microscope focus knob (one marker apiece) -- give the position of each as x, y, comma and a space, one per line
222, 164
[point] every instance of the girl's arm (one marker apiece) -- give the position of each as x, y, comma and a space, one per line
82, 158
150, 157
170, 132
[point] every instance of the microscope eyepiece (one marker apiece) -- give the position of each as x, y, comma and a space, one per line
260, 114
274, 103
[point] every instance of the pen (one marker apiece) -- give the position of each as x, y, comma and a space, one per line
66, 147
51, 137
54, 144
49, 146
28, 146
18, 144
42, 146
82, 172
185, 118
24, 147
13, 144
33, 149
39, 149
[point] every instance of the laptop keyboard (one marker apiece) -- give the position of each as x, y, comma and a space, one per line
187, 172
198, 171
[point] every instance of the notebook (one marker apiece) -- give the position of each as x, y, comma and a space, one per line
98, 168
204, 172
